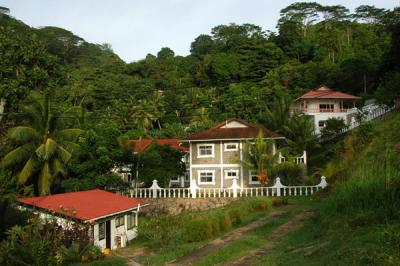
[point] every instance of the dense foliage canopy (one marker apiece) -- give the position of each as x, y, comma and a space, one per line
234, 71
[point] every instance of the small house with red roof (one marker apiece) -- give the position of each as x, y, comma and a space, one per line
113, 218
215, 152
324, 103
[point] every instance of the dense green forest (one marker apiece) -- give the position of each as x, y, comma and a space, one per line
234, 71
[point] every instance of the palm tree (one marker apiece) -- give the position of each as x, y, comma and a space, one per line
148, 111
300, 133
42, 146
278, 116
259, 158
142, 115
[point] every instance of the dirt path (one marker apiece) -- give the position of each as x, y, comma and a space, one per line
294, 224
226, 239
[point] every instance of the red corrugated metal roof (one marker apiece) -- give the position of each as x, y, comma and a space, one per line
143, 144
84, 205
326, 93
174, 143
218, 132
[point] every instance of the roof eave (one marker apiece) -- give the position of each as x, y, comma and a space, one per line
196, 140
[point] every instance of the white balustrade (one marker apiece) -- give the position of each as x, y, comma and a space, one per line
234, 191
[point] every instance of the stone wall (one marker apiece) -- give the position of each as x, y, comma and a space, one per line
176, 206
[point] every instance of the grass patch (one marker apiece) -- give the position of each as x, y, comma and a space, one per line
109, 261
171, 236
253, 240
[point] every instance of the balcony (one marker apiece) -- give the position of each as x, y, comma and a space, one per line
325, 110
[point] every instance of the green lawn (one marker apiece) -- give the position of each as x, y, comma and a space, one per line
108, 261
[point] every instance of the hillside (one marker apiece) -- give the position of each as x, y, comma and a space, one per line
358, 222
235, 70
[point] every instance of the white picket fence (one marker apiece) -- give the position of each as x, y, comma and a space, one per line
194, 191
374, 114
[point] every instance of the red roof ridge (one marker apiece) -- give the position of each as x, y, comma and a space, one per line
217, 132
326, 92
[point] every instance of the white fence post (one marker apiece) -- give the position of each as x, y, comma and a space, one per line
278, 185
323, 184
154, 188
234, 188
193, 188
305, 157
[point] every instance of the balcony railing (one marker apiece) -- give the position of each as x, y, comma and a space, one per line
325, 110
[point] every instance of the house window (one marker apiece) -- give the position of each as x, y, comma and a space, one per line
253, 179
119, 221
102, 231
326, 107
231, 174
231, 146
205, 150
206, 177
321, 123
131, 221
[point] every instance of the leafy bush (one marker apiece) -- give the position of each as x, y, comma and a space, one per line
333, 126
44, 243
291, 173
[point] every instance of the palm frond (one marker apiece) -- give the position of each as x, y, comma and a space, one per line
45, 178
23, 134
70, 146
18, 155
29, 169
63, 155
70, 134
58, 168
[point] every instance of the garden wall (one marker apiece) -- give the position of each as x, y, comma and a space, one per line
176, 206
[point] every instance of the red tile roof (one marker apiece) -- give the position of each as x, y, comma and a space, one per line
141, 145
84, 205
218, 132
327, 93
174, 143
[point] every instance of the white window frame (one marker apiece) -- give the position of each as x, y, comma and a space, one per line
251, 182
207, 155
199, 172
231, 143
230, 177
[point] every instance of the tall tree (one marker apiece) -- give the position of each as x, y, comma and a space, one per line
42, 145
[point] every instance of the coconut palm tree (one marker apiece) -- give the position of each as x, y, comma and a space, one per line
259, 158
300, 133
42, 144
278, 116
142, 115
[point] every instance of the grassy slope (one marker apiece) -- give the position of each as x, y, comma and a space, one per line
169, 237
359, 223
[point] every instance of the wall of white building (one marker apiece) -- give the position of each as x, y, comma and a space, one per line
312, 109
120, 231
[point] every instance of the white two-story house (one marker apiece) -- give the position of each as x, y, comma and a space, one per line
324, 103
216, 152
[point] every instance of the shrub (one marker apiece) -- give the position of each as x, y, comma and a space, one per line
235, 217
333, 127
46, 243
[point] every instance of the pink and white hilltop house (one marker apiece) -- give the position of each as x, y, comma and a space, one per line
324, 103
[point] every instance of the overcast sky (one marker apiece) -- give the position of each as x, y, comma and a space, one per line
135, 28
